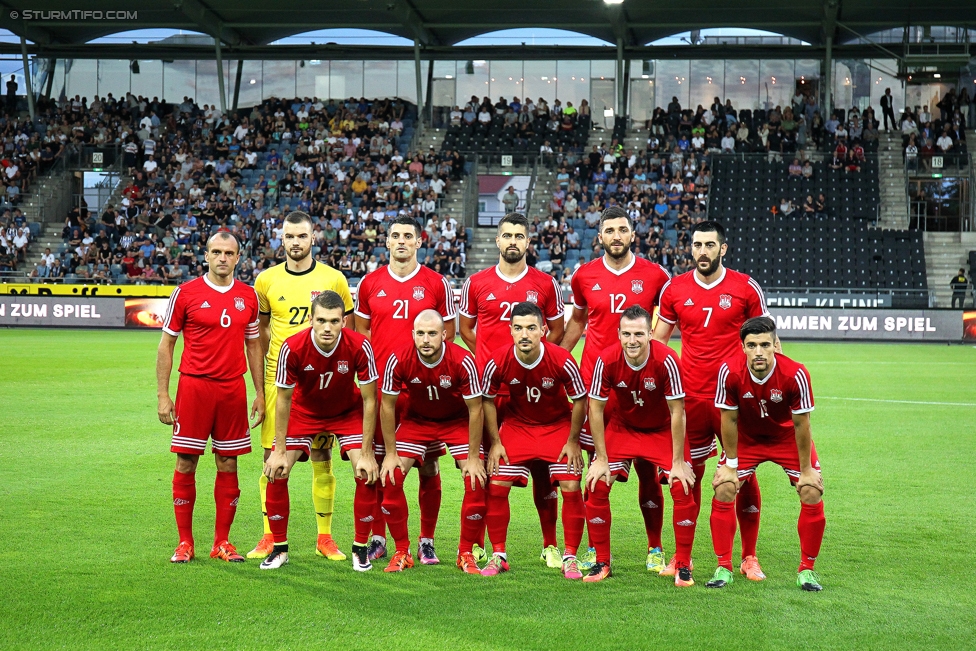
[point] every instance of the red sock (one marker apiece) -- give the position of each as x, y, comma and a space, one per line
574, 518
685, 519
546, 503
395, 503
363, 507
723, 531
279, 508
378, 526
699, 470
226, 494
598, 520
651, 500
430, 504
498, 516
472, 516
747, 505
184, 496
811, 529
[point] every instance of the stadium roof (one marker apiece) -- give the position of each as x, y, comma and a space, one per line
438, 24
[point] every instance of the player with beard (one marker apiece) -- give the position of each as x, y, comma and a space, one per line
709, 304
602, 290
487, 300
285, 294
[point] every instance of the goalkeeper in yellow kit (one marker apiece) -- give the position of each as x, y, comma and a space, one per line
285, 294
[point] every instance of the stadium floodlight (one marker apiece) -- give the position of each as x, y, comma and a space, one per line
613, 2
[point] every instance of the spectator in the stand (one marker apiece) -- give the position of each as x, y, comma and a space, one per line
786, 207
911, 154
959, 285
728, 143
510, 200
796, 170
888, 109
807, 170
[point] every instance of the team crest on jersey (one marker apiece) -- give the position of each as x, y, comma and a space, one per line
418, 293
637, 286
445, 381
343, 366
239, 303
532, 297
314, 294
649, 384
548, 383
725, 301
776, 395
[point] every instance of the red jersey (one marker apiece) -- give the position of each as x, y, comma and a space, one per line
538, 392
437, 391
604, 294
325, 383
489, 297
215, 322
641, 394
766, 406
709, 317
392, 303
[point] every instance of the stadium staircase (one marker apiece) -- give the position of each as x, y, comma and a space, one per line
945, 255
46, 209
892, 182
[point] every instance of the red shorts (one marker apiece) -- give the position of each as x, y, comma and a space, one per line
518, 473
420, 439
351, 422
625, 445
783, 454
435, 449
703, 426
215, 409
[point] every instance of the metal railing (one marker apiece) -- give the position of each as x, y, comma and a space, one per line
470, 195
530, 192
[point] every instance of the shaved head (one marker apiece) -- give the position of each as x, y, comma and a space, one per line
223, 235
427, 317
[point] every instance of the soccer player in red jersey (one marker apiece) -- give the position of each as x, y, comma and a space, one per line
487, 300
318, 396
444, 408
540, 427
218, 317
602, 290
387, 301
709, 304
766, 399
644, 379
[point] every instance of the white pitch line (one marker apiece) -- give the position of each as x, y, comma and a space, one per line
902, 402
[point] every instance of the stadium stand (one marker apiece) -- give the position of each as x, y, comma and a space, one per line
194, 171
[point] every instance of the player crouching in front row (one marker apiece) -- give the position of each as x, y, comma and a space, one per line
539, 376
318, 397
643, 378
766, 400
444, 408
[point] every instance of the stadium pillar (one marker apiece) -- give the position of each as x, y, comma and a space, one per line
220, 77
420, 83
618, 109
828, 79
237, 82
27, 78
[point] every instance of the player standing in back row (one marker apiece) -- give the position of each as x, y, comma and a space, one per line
487, 300
602, 290
709, 304
387, 302
218, 317
285, 293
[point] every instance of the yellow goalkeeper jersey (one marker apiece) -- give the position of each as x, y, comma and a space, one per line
287, 297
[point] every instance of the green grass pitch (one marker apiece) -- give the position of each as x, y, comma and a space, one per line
88, 529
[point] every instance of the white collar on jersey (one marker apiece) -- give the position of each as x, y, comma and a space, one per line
715, 283
311, 333
533, 364
511, 280
641, 367
403, 279
633, 261
218, 288
439, 359
768, 375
